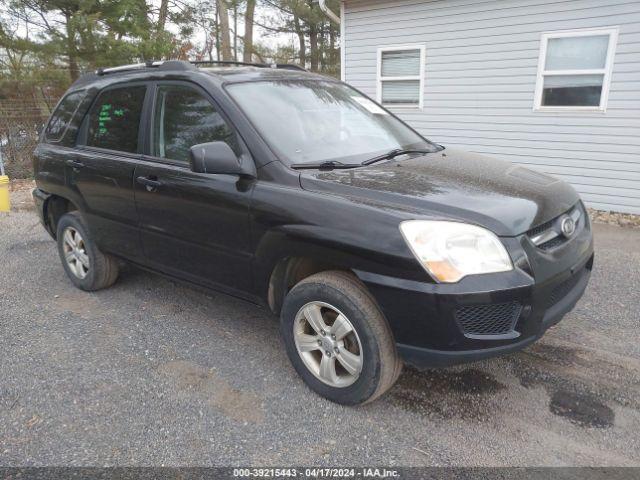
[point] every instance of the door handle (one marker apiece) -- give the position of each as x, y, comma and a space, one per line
76, 165
151, 183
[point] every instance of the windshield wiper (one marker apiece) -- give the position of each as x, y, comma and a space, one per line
392, 154
333, 164
328, 165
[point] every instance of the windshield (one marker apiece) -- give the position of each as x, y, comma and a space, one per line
306, 121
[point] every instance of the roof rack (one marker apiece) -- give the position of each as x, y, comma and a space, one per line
184, 65
160, 65
284, 66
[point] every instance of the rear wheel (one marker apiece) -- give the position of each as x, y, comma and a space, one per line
86, 266
338, 340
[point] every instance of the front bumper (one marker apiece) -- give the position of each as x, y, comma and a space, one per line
426, 357
426, 318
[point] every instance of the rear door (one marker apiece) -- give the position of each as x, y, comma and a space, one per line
193, 225
102, 169
58, 145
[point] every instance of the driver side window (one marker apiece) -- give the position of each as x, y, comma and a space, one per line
182, 118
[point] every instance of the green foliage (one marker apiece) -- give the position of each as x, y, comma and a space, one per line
53, 41
84, 34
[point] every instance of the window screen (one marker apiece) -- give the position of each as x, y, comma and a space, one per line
114, 120
183, 118
62, 116
577, 53
575, 69
400, 77
402, 92
401, 63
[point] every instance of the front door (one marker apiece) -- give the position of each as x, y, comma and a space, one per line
193, 225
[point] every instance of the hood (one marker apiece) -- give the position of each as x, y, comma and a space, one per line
505, 198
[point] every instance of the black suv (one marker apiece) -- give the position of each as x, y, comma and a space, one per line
298, 192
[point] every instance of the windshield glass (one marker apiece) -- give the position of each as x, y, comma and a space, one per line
306, 121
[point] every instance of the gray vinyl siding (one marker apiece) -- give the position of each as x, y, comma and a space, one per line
480, 78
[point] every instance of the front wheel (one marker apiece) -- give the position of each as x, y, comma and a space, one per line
338, 340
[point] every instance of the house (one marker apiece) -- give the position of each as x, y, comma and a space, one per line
550, 84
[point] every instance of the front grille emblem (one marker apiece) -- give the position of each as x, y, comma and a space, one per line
556, 231
567, 226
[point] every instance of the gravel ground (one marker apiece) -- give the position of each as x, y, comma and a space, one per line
613, 218
151, 372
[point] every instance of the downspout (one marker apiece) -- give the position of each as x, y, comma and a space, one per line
332, 16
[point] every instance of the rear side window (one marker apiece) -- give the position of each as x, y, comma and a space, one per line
184, 118
62, 116
114, 119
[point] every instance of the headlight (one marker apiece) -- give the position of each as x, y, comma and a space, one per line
450, 251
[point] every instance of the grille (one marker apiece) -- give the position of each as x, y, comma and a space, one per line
491, 319
553, 243
550, 225
562, 290
541, 228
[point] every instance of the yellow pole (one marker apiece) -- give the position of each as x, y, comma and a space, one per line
4, 187
4, 194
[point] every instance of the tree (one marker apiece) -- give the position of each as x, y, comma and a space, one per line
72, 36
162, 15
85, 34
316, 35
225, 40
302, 46
248, 31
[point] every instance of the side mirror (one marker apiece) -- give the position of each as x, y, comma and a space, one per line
217, 157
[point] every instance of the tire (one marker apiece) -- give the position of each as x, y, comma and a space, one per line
336, 293
100, 270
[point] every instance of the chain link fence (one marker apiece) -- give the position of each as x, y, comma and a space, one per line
21, 122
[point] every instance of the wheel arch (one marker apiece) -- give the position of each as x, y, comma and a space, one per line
289, 271
287, 255
53, 209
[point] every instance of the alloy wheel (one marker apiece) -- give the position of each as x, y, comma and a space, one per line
328, 344
75, 253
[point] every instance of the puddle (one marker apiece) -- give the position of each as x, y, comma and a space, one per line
446, 393
583, 410
470, 381
584, 372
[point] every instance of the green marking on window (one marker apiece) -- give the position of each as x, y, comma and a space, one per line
105, 117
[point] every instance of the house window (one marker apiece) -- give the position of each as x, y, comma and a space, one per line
574, 70
401, 76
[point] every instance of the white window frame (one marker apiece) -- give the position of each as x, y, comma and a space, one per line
420, 77
606, 71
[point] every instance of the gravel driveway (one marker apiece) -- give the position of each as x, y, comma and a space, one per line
152, 372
